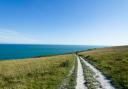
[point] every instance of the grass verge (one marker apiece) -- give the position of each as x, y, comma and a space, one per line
113, 62
35, 73
69, 81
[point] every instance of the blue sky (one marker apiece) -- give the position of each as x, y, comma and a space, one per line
85, 22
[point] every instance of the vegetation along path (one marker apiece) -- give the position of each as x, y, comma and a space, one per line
94, 78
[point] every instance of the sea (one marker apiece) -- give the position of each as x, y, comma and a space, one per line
21, 51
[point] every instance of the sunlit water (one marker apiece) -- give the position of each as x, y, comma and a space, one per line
15, 51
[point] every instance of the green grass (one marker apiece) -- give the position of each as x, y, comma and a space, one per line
113, 62
70, 80
35, 73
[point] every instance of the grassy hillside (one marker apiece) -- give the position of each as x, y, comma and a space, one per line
113, 62
35, 73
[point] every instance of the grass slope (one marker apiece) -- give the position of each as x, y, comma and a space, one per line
35, 73
113, 62
70, 80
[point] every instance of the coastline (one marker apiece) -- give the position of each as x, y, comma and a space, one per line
49, 55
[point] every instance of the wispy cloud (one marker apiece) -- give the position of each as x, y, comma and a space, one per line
11, 36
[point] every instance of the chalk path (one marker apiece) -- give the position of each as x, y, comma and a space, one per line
80, 77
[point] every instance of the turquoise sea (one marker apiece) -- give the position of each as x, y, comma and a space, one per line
18, 51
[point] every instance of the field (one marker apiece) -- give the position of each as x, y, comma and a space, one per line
35, 73
113, 62
59, 72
